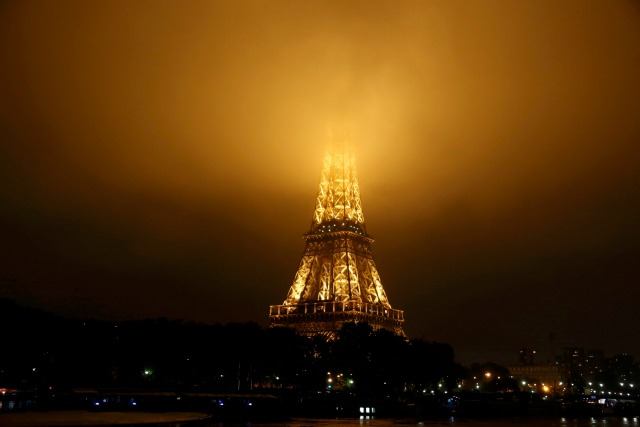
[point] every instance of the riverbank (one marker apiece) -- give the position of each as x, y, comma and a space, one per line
89, 418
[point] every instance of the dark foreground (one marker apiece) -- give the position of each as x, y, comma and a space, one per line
89, 418
93, 407
187, 419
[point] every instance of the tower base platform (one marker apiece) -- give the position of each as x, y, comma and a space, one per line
327, 318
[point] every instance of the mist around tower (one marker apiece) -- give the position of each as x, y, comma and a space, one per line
337, 281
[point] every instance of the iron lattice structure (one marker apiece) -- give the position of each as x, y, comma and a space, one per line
337, 280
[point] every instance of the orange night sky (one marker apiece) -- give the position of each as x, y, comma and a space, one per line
161, 159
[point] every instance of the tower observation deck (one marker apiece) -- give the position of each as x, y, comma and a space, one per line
337, 280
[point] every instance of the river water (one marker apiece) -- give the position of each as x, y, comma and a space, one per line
452, 422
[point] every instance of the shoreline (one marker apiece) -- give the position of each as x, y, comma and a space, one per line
71, 418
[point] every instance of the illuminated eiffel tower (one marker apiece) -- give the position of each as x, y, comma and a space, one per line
337, 280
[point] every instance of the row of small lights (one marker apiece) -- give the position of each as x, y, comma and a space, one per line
610, 392
329, 228
602, 385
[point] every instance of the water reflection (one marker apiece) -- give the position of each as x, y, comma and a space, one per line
452, 422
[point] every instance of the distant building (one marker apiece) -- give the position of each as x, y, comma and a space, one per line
580, 365
579, 370
623, 368
547, 378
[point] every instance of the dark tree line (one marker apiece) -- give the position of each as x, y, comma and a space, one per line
38, 350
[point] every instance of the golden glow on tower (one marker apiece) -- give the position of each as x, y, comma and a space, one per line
337, 280
337, 264
339, 194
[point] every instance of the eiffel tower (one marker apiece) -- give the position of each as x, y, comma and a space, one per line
337, 280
